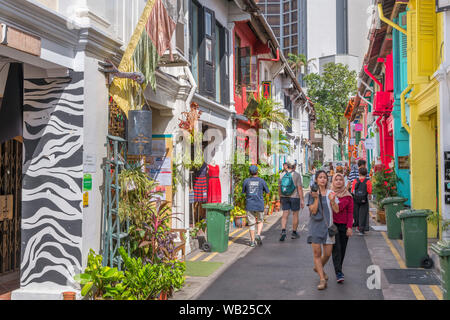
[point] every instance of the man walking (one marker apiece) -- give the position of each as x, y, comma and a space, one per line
254, 188
361, 189
290, 192
354, 174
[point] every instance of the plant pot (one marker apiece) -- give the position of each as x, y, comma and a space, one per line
381, 216
163, 296
240, 221
69, 295
277, 205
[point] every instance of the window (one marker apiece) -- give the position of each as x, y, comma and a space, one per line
286, 18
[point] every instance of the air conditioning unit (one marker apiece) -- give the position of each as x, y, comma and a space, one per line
382, 103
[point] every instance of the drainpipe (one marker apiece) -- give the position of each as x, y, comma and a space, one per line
387, 21
265, 59
403, 109
366, 70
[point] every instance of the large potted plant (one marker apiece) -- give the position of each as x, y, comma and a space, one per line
384, 185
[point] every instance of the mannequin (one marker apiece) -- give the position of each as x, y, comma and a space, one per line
214, 187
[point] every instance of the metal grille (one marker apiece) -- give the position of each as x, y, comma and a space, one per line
10, 185
115, 232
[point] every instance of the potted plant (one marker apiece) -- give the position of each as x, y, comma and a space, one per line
239, 217
384, 185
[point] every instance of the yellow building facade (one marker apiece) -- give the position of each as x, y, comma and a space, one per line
425, 40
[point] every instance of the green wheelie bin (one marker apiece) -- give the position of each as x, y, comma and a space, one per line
442, 248
415, 237
217, 226
306, 180
392, 205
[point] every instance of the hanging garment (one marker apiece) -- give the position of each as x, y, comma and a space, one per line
200, 185
214, 188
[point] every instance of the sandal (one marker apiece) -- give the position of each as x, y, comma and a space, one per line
322, 285
325, 275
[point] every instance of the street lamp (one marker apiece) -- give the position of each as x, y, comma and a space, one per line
442, 5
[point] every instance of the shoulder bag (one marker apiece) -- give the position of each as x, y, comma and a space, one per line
332, 230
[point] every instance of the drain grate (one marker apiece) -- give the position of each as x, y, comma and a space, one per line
411, 276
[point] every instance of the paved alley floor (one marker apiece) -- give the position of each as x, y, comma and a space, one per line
284, 270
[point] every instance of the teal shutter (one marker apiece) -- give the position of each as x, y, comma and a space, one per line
403, 52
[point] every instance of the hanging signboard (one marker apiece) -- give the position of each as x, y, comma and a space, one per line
358, 127
267, 89
370, 144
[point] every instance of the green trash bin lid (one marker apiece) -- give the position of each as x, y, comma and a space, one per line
411, 213
218, 206
442, 248
393, 200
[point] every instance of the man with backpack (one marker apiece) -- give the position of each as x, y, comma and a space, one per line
361, 189
291, 197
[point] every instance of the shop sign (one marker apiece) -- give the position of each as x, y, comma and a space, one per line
358, 127
370, 144
6, 207
267, 89
403, 162
85, 199
87, 182
19, 40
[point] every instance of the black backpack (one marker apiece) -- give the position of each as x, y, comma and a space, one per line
361, 193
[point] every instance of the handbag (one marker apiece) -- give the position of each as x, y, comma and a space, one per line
332, 230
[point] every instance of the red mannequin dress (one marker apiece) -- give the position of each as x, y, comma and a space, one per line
214, 188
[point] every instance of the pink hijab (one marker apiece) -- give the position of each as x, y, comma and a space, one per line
342, 191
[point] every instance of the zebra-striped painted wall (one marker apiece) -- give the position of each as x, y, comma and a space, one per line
52, 181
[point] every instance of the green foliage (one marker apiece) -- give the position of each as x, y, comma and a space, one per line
99, 282
384, 184
146, 281
331, 92
269, 112
153, 240
135, 190
139, 281
200, 225
296, 61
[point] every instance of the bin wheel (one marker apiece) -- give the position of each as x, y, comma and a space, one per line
206, 247
427, 262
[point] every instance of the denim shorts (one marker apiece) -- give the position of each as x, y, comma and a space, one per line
288, 203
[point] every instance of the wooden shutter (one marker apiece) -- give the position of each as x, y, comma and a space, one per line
207, 53
426, 30
411, 46
224, 65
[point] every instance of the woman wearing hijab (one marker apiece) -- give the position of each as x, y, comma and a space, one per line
343, 219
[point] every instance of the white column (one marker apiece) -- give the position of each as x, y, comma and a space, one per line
442, 75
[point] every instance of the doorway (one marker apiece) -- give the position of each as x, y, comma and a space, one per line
10, 213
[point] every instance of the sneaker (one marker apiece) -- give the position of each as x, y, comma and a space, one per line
340, 277
283, 236
252, 244
258, 240
295, 235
